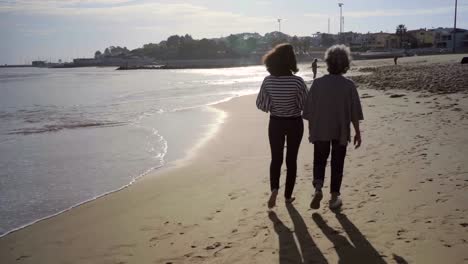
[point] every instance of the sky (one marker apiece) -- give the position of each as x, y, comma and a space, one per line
66, 29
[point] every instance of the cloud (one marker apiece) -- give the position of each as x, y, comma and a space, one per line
392, 12
317, 15
37, 32
143, 15
263, 2
401, 12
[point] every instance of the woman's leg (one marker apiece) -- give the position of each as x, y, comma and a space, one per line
294, 138
276, 135
337, 165
321, 153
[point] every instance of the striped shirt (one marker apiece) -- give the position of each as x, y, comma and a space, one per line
282, 96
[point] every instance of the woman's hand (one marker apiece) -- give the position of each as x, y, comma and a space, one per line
357, 140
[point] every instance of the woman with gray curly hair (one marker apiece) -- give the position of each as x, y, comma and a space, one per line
332, 105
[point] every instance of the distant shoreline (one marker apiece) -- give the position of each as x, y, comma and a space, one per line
16, 66
230, 63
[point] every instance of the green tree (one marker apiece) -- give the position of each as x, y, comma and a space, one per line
251, 44
306, 42
295, 42
97, 54
401, 32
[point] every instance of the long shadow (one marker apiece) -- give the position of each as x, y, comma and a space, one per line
288, 251
360, 251
310, 251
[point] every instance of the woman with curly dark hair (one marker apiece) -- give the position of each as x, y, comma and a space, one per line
283, 94
332, 105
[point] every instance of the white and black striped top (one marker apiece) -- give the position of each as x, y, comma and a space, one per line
282, 96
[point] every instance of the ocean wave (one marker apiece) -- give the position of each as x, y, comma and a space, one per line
18, 76
58, 127
33, 114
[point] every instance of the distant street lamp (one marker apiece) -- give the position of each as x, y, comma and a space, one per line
341, 17
455, 29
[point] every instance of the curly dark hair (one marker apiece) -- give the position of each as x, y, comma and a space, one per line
338, 58
281, 61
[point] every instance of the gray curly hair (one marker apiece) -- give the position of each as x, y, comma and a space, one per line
338, 58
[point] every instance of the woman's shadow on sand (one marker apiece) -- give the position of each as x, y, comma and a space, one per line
288, 250
360, 251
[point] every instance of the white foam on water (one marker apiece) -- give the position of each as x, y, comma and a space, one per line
160, 147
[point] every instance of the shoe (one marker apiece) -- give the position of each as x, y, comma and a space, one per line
335, 203
315, 204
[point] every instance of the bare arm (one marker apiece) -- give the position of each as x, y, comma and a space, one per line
357, 137
356, 115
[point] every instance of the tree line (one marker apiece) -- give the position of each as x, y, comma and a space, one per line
233, 46
241, 45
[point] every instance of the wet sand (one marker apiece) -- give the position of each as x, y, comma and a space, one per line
405, 195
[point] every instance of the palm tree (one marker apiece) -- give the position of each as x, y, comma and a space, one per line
401, 31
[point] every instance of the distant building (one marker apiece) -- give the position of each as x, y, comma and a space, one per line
443, 38
424, 38
378, 41
354, 40
323, 39
316, 39
86, 62
393, 42
382, 40
39, 64
361, 41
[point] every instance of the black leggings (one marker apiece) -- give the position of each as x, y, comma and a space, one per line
321, 153
281, 129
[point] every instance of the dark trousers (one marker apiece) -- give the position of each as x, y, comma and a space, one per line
280, 130
321, 153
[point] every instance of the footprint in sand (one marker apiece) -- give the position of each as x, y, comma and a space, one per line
22, 257
213, 246
120, 246
232, 196
441, 200
159, 238
400, 234
148, 228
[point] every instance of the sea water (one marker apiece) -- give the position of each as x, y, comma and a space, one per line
70, 135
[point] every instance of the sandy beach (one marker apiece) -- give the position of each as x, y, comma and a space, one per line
405, 191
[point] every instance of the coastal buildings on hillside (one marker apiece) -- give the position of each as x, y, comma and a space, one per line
248, 48
441, 38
